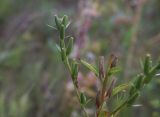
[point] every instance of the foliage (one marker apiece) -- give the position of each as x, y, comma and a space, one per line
104, 94
32, 78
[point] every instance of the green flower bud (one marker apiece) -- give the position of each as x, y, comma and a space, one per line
70, 46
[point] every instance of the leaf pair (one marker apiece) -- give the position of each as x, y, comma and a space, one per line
61, 22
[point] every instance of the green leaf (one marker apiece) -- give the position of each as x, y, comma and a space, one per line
70, 46
152, 73
120, 88
88, 101
83, 99
141, 63
139, 81
132, 99
65, 21
132, 89
74, 71
114, 71
51, 26
58, 22
58, 48
90, 67
147, 64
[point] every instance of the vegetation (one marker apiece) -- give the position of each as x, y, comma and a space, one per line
34, 82
107, 89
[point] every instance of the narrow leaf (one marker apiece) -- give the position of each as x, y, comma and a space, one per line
51, 26
65, 20
138, 82
58, 48
90, 67
83, 99
147, 64
70, 46
74, 69
58, 23
132, 99
114, 71
120, 88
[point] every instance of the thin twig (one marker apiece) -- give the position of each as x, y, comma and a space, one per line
76, 89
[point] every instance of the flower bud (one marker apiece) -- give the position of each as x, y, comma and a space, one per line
113, 61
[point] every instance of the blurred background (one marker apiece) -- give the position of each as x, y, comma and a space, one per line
33, 81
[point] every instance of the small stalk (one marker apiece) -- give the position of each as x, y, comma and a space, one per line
61, 26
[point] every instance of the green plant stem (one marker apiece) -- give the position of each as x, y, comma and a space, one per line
78, 95
103, 94
66, 62
76, 89
84, 110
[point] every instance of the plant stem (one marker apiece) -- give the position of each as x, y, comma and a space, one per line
104, 85
99, 109
76, 89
